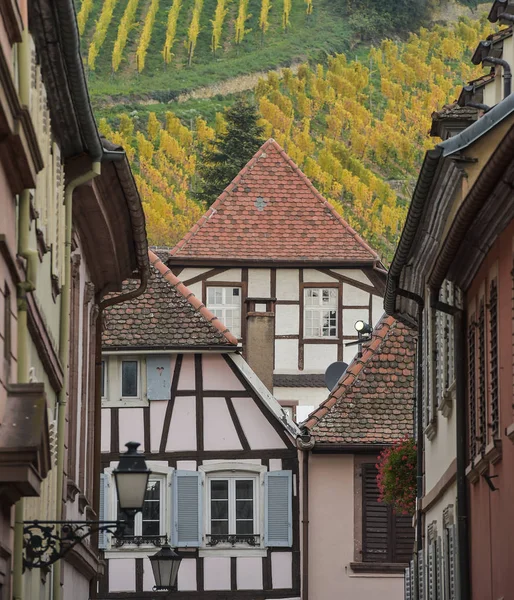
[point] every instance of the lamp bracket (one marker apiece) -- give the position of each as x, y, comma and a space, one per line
45, 542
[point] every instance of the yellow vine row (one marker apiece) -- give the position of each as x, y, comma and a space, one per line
242, 17
217, 24
102, 25
194, 30
126, 24
171, 30
82, 17
146, 35
263, 19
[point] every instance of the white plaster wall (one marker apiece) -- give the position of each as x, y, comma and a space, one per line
288, 284
377, 309
441, 451
304, 395
186, 465
286, 356
157, 412
353, 296
249, 573
216, 573
182, 433
219, 432
355, 274
245, 461
187, 373
217, 375
131, 427
233, 275
317, 357
313, 276
259, 283
190, 272
331, 548
122, 574
281, 570
257, 429
75, 585
287, 319
351, 316
349, 353
105, 435
275, 464
197, 289
186, 580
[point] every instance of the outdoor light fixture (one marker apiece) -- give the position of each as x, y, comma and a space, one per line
45, 542
363, 328
165, 564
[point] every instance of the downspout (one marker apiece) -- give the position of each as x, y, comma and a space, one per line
64, 342
419, 412
507, 73
479, 105
461, 425
24, 287
305, 443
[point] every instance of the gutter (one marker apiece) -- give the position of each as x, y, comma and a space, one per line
305, 443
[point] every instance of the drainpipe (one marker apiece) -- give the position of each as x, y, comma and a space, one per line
24, 287
479, 105
507, 73
64, 342
419, 411
462, 487
305, 443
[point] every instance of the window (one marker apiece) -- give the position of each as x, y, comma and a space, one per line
232, 509
102, 380
320, 312
149, 523
225, 303
129, 379
386, 536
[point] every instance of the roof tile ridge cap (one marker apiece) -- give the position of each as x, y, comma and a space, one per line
325, 202
354, 370
184, 291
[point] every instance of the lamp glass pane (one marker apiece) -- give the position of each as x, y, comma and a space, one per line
131, 488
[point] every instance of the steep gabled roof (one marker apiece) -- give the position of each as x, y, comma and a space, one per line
167, 315
372, 402
272, 212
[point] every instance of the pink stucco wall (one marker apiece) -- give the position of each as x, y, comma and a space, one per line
331, 536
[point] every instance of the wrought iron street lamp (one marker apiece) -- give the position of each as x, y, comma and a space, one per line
45, 542
165, 564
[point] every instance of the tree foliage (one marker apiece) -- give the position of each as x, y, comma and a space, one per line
230, 151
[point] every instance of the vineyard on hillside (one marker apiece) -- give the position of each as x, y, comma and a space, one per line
354, 127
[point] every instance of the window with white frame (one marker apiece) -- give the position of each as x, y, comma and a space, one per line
130, 379
225, 303
320, 312
150, 522
232, 508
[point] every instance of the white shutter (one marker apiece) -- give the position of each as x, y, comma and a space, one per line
421, 576
278, 509
413, 580
452, 562
407, 584
431, 572
104, 508
439, 569
187, 509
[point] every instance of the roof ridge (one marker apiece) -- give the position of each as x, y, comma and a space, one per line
190, 297
352, 373
248, 167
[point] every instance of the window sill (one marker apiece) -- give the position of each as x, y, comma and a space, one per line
370, 567
431, 430
472, 474
136, 403
232, 552
510, 432
493, 452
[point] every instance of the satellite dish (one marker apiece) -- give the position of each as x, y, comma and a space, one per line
333, 374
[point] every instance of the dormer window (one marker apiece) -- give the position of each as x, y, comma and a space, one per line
225, 303
320, 313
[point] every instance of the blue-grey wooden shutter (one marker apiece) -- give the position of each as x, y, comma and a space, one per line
278, 509
187, 509
158, 377
103, 509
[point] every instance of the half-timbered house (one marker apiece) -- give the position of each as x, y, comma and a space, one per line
280, 267
224, 483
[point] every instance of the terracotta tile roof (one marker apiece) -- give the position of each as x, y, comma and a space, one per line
373, 400
167, 314
272, 212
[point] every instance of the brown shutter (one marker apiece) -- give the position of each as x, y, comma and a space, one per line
375, 519
402, 538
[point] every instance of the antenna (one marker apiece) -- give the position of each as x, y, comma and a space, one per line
334, 373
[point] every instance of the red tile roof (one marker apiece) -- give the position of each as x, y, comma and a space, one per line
373, 401
168, 314
272, 212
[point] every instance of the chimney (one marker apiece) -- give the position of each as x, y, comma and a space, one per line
260, 338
